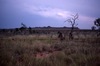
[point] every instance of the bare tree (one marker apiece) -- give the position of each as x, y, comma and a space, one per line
23, 25
73, 23
23, 28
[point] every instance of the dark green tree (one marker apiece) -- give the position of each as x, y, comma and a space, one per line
93, 28
97, 23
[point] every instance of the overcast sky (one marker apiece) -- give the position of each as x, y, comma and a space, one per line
40, 13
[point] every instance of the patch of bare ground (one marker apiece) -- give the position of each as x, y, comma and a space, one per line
46, 54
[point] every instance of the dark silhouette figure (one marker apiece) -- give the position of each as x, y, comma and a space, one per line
71, 35
60, 36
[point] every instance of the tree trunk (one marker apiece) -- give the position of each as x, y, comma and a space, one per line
71, 33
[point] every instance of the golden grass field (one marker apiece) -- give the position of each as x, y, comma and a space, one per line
44, 50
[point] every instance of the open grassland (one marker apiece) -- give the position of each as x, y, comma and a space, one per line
47, 50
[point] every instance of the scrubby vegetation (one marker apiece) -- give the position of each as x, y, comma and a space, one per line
43, 50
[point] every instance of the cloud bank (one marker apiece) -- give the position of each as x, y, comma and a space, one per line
55, 13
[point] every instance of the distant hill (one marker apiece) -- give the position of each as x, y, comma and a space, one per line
55, 28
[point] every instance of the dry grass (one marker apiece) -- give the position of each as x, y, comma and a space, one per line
34, 50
